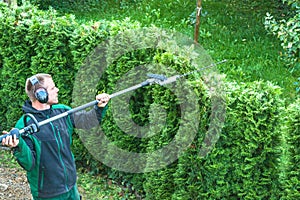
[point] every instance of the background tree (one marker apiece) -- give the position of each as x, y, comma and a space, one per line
288, 31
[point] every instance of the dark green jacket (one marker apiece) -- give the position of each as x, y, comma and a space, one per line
46, 155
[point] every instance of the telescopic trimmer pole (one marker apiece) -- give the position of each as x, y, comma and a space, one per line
34, 127
95, 102
154, 78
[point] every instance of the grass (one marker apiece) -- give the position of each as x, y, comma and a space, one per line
231, 30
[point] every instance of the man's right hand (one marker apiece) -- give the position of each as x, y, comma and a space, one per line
10, 141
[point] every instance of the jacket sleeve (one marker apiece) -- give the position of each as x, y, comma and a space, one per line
25, 151
88, 119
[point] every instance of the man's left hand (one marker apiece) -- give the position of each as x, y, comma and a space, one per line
102, 99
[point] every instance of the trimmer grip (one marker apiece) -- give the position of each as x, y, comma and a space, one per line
13, 132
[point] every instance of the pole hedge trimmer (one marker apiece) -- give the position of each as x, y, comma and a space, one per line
153, 79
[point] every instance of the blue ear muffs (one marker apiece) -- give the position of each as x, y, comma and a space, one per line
40, 93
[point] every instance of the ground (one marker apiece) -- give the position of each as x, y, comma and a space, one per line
13, 182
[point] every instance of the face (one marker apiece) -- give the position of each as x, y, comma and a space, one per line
52, 91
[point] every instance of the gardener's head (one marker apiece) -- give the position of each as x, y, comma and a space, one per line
41, 88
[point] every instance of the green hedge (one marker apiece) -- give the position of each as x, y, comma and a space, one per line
243, 164
291, 159
33, 41
144, 49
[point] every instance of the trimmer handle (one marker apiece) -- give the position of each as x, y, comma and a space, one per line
13, 132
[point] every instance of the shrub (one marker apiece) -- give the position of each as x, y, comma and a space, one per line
288, 31
291, 180
33, 41
243, 164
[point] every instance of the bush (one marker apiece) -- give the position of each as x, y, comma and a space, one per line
33, 41
288, 31
244, 162
291, 161
155, 49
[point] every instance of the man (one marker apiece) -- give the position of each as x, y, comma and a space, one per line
46, 155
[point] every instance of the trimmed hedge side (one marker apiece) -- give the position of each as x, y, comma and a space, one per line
141, 102
291, 159
33, 41
248, 160
244, 163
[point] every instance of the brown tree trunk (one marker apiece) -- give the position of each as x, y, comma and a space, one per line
197, 25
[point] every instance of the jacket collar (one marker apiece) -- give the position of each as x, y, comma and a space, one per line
27, 108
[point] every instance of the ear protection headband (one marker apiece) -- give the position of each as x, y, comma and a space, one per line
40, 93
